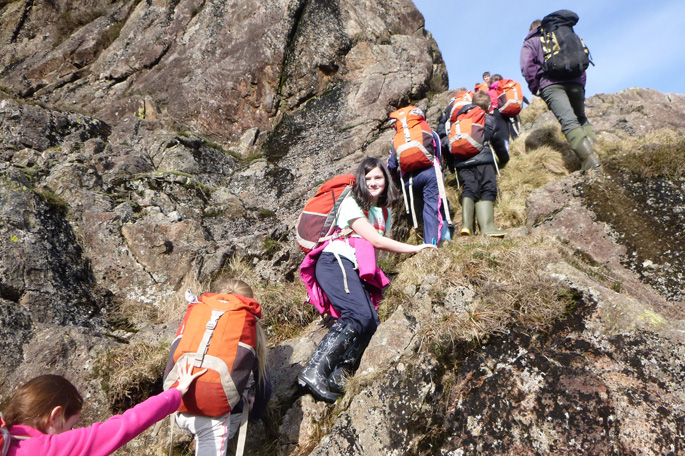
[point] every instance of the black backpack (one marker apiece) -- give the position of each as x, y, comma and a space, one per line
566, 55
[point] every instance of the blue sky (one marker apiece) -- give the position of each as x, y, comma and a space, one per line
633, 43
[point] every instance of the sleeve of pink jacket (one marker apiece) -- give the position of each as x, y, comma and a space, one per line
105, 438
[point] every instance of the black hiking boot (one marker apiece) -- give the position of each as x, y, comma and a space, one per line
326, 356
346, 366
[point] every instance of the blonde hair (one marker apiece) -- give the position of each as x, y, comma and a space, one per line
235, 286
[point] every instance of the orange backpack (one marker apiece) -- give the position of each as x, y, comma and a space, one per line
483, 86
317, 221
467, 134
218, 333
413, 140
461, 99
510, 97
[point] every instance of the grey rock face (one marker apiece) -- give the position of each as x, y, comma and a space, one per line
42, 265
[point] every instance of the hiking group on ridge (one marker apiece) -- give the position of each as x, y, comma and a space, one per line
216, 375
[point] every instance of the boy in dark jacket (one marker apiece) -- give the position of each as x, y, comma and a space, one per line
478, 175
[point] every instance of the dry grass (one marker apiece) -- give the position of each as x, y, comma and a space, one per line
507, 277
284, 310
130, 374
530, 113
658, 154
526, 172
175, 307
125, 313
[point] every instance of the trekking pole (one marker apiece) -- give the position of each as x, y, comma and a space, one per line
513, 126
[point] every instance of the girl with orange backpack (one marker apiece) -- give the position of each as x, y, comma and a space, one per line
235, 355
343, 279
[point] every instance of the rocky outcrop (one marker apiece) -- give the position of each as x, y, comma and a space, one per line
146, 144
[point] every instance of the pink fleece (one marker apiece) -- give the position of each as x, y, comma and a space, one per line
494, 93
100, 438
373, 277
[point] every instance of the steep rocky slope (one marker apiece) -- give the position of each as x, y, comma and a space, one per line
147, 147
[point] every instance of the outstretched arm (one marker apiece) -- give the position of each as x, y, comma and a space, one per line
363, 227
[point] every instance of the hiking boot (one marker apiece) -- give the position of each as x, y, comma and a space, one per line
582, 147
467, 206
326, 356
347, 365
485, 213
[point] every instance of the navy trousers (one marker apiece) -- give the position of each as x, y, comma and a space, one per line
355, 307
425, 188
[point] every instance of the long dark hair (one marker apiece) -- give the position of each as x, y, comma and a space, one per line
361, 192
33, 402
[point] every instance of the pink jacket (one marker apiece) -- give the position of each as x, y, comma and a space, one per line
494, 93
100, 438
374, 279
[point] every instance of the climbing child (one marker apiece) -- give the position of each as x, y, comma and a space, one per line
483, 85
419, 164
343, 279
213, 418
477, 172
553, 62
42, 413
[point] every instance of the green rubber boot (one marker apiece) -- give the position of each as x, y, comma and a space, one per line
467, 207
485, 212
582, 147
590, 132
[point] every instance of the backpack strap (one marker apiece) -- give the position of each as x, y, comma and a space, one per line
171, 433
6, 437
442, 192
404, 193
411, 202
344, 274
209, 331
242, 433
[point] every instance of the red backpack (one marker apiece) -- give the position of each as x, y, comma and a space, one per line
413, 140
510, 97
219, 334
467, 134
316, 222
